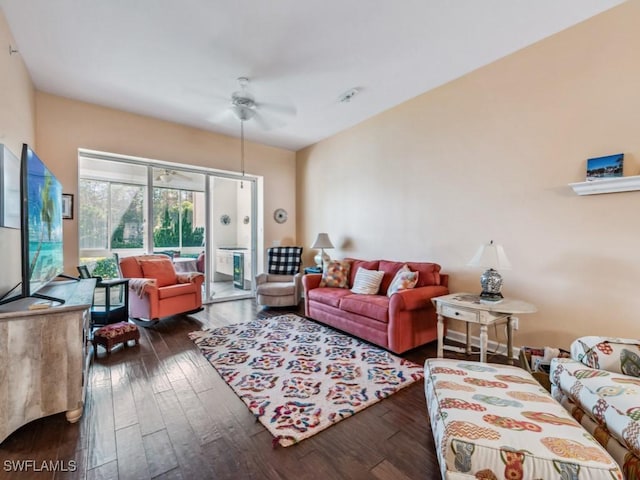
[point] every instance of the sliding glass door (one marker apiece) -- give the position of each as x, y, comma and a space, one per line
204, 221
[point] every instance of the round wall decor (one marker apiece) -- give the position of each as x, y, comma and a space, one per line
280, 215
225, 219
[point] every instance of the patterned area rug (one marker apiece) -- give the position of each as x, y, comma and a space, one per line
299, 377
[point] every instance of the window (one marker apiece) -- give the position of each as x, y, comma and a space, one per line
175, 224
111, 215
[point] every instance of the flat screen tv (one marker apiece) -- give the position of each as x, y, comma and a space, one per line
41, 226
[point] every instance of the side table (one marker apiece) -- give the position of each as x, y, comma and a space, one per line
106, 309
470, 309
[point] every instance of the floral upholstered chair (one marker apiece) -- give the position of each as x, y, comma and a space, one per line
600, 386
281, 286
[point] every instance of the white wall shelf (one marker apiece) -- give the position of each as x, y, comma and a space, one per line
607, 185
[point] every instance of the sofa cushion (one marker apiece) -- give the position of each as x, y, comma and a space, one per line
276, 289
404, 280
429, 273
159, 268
328, 296
355, 264
620, 355
336, 274
284, 260
390, 269
372, 306
367, 282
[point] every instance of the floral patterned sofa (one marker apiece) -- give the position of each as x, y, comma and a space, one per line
600, 386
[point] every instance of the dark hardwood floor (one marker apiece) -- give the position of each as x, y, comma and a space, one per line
160, 410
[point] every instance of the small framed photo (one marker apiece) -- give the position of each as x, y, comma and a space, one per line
67, 206
600, 168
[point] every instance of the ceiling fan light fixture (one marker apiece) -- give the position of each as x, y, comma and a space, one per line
243, 112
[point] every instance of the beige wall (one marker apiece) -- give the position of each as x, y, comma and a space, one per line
64, 125
17, 126
489, 156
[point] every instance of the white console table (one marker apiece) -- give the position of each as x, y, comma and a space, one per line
44, 356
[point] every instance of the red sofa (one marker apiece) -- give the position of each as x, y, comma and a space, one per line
398, 323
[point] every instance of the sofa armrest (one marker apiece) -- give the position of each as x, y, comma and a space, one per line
416, 298
311, 281
444, 279
141, 286
261, 278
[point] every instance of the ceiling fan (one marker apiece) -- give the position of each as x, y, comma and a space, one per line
166, 175
267, 115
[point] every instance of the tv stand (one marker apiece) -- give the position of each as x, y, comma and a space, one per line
45, 355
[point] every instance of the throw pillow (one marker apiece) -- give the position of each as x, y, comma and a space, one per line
284, 260
404, 280
159, 268
335, 274
367, 281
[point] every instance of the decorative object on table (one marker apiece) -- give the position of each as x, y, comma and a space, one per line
225, 219
322, 242
492, 257
310, 270
67, 206
599, 168
280, 215
299, 377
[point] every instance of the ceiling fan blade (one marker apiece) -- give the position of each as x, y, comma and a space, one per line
277, 108
222, 116
261, 122
268, 122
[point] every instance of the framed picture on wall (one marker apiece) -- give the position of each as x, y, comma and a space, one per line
600, 168
67, 206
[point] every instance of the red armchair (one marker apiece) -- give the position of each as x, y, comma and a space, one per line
156, 290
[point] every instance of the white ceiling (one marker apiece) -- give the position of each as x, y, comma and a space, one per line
179, 60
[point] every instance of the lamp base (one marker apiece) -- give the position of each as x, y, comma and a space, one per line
321, 259
490, 297
491, 283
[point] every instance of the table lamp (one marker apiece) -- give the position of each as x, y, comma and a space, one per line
492, 257
322, 242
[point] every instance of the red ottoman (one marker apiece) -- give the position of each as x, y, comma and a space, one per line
111, 335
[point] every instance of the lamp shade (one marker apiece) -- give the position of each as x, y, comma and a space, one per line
322, 241
491, 255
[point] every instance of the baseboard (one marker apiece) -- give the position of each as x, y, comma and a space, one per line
493, 347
